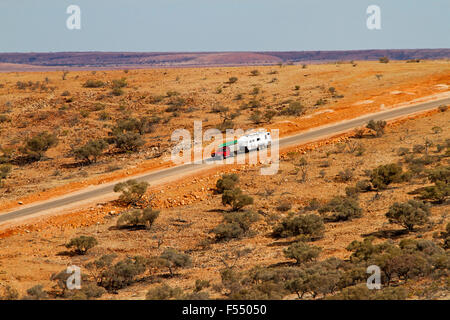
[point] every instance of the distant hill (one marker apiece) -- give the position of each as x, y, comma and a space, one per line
115, 60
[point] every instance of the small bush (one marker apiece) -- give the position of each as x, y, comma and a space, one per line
93, 84
4, 118
4, 172
36, 146
409, 214
119, 275
132, 191
232, 80
377, 127
136, 218
302, 252
128, 141
383, 60
119, 83
227, 182
309, 227
117, 92
345, 176
90, 151
36, 293
443, 108
284, 206
342, 208
236, 199
173, 259
164, 292
82, 244
384, 175
235, 225
294, 109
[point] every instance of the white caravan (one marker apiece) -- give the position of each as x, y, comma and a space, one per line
254, 141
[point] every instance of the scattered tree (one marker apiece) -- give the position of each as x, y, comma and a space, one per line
35, 147
227, 182
236, 199
308, 227
90, 151
377, 127
82, 244
409, 214
136, 218
132, 191
302, 252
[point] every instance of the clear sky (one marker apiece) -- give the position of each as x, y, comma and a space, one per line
222, 25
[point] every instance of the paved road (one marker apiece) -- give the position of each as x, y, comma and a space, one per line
311, 135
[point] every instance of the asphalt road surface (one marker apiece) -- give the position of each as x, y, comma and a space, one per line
311, 135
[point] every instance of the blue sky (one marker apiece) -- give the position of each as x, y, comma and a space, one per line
222, 25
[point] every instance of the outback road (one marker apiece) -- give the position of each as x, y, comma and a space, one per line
91, 193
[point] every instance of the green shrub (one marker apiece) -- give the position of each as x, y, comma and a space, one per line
363, 186
342, 208
409, 214
128, 141
384, 175
93, 84
132, 191
309, 227
236, 199
121, 274
345, 175
82, 244
4, 118
164, 292
377, 126
269, 115
227, 182
302, 252
294, 109
136, 218
90, 151
117, 92
235, 225
9, 293
228, 231
173, 259
119, 83
438, 192
35, 147
4, 172
256, 117
36, 293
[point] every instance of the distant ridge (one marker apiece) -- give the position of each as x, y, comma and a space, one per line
116, 60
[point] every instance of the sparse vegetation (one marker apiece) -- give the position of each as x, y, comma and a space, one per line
306, 227
409, 214
34, 148
82, 244
132, 191
136, 218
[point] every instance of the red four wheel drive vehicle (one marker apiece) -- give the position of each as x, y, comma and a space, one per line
223, 152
